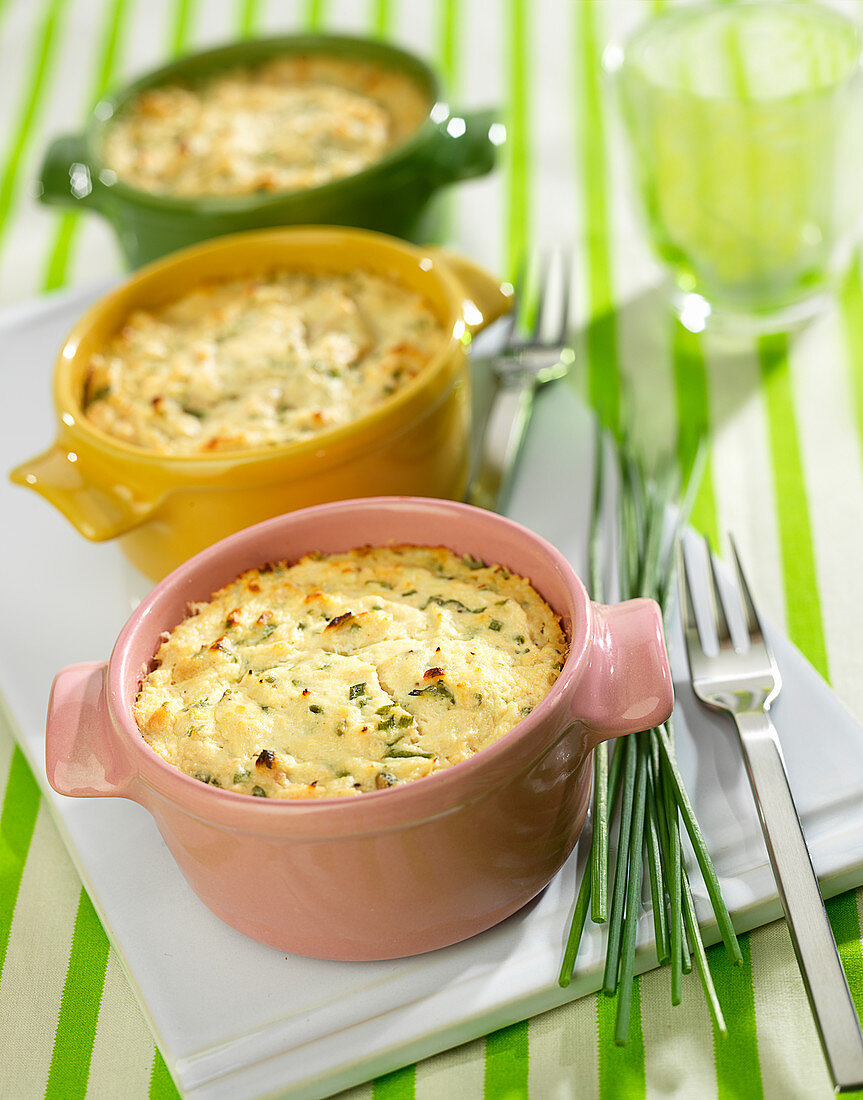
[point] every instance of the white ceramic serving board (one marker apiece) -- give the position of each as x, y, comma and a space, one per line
238, 1020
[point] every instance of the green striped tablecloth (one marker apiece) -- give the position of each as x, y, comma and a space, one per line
786, 424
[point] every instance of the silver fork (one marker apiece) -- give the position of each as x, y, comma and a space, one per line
528, 360
744, 683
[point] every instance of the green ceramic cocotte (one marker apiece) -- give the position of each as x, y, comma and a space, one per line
392, 195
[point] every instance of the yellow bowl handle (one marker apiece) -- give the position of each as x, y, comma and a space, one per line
485, 298
99, 507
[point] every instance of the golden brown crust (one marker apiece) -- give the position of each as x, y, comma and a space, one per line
285, 125
259, 362
348, 672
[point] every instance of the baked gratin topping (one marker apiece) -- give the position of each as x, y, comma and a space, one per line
257, 362
349, 672
285, 125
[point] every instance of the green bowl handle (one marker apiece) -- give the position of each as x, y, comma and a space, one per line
66, 177
467, 145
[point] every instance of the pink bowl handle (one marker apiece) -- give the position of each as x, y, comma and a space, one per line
627, 685
81, 754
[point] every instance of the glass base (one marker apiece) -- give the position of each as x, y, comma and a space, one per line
697, 314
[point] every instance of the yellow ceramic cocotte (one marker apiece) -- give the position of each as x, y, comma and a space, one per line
165, 508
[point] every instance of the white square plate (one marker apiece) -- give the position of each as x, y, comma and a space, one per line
238, 1020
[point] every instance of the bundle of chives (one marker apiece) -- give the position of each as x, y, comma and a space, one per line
640, 781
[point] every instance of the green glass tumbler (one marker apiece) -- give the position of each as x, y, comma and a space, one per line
746, 125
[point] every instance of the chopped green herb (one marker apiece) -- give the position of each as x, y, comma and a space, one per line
410, 592
98, 395
473, 563
385, 709
259, 633
457, 604
407, 754
315, 709
356, 690
387, 723
405, 720
495, 624
259, 792
240, 774
519, 639
438, 688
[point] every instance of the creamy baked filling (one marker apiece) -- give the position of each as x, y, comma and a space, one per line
285, 125
350, 672
259, 361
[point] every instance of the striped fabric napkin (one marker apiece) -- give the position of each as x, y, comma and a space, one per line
785, 472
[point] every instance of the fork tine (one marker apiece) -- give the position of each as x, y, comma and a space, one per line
509, 333
566, 293
753, 623
723, 634
520, 275
687, 608
744, 683
515, 315
541, 300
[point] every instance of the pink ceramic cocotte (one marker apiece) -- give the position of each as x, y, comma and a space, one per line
392, 872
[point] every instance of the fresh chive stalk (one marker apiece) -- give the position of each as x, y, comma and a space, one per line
642, 769
618, 897
675, 873
576, 928
599, 835
699, 845
701, 957
653, 850
633, 893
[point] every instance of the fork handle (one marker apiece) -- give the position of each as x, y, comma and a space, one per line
502, 439
814, 945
